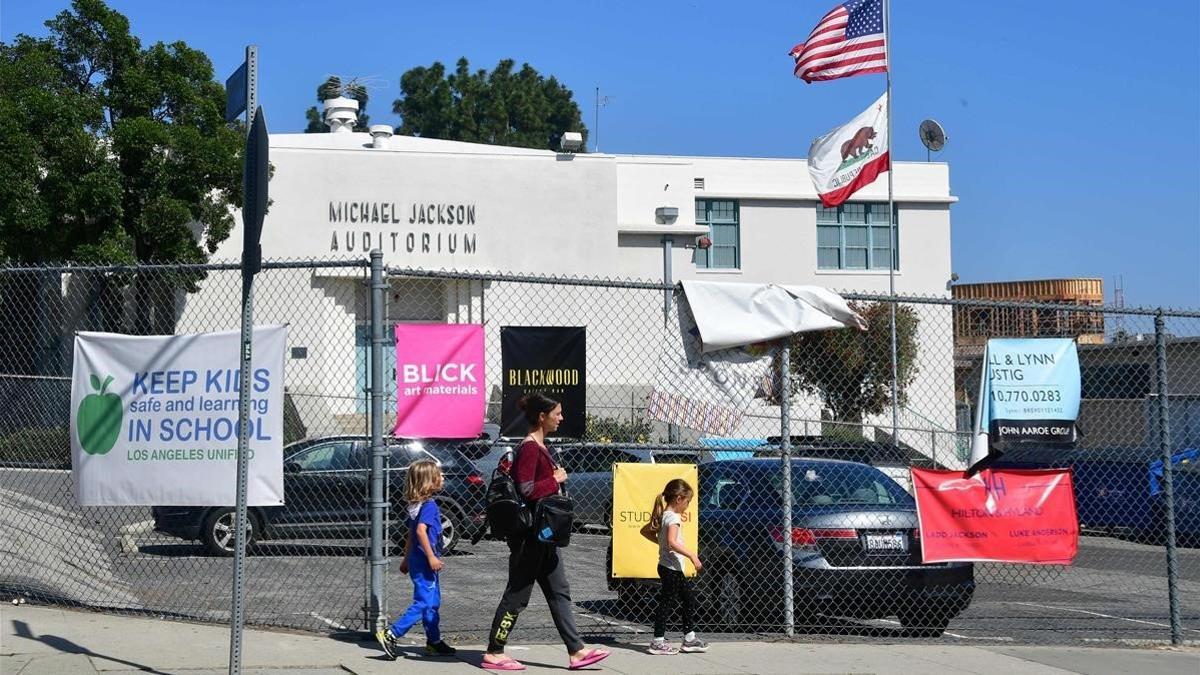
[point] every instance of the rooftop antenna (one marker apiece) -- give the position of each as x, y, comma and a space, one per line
933, 137
600, 101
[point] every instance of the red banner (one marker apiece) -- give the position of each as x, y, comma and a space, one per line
1001, 515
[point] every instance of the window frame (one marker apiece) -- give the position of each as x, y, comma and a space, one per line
703, 258
868, 225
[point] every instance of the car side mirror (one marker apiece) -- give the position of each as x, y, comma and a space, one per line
291, 467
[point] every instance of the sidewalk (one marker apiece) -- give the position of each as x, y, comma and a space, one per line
41, 640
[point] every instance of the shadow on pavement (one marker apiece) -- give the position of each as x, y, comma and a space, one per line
65, 646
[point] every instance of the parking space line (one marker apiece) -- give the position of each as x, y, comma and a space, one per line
1106, 616
998, 638
613, 623
328, 622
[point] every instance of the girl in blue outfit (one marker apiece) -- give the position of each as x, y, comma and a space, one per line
422, 561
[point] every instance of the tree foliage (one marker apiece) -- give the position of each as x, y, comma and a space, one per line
332, 88
851, 370
501, 107
112, 152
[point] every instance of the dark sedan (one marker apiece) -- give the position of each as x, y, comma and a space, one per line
854, 548
326, 486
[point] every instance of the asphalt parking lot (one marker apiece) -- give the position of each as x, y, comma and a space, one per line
1114, 593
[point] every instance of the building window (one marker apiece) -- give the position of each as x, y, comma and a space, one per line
855, 237
721, 217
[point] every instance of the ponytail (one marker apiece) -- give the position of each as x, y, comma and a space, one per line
675, 488
656, 513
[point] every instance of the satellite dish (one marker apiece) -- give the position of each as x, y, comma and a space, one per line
933, 136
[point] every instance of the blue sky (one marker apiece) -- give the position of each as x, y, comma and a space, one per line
1074, 139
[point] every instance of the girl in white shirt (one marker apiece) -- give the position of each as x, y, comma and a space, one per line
665, 528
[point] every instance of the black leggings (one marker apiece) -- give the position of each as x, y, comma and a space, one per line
531, 561
674, 585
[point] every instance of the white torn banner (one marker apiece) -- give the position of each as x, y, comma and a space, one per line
717, 358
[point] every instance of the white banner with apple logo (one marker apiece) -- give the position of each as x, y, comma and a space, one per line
154, 419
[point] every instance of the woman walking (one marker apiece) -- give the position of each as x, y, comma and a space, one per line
531, 561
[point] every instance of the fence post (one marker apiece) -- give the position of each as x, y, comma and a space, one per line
378, 500
1164, 446
785, 454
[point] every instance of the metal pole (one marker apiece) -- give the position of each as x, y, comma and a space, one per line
887, 45
667, 242
237, 617
1164, 446
785, 453
378, 499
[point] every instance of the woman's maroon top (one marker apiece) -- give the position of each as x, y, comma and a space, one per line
533, 471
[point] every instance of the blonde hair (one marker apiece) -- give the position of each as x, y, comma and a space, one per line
674, 490
421, 481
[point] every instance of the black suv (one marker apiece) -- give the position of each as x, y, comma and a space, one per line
326, 487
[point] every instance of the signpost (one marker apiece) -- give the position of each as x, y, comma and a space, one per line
243, 95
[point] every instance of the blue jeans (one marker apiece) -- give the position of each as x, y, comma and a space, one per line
427, 597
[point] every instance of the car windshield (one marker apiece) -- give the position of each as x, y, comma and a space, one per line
837, 484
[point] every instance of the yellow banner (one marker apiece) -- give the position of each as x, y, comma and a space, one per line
635, 487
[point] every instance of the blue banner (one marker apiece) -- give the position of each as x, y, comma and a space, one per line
1031, 390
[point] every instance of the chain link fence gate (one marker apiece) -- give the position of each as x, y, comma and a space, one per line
851, 542
302, 572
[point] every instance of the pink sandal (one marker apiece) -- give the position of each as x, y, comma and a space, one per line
506, 664
592, 657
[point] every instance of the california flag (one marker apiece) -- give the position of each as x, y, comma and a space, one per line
851, 156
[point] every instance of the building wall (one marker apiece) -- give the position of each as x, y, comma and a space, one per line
542, 213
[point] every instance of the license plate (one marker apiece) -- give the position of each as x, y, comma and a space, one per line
893, 542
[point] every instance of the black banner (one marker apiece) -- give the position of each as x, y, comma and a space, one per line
546, 359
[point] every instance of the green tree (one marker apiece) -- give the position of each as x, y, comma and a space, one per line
501, 107
332, 88
110, 152
616, 429
851, 370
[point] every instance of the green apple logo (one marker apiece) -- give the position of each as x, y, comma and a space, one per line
99, 418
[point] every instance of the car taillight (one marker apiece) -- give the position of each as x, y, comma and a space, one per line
475, 479
916, 533
804, 537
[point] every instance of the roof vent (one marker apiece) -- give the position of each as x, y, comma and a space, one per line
341, 114
698, 183
380, 133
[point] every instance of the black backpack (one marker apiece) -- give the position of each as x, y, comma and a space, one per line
508, 514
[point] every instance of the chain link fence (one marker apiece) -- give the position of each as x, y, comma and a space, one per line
851, 544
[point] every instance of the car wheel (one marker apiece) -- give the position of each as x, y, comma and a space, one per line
924, 622
724, 597
218, 532
451, 525
732, 600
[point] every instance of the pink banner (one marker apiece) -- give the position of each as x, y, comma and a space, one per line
439, 380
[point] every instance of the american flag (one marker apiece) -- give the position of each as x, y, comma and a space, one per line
847, 41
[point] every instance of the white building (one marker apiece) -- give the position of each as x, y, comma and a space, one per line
445, 205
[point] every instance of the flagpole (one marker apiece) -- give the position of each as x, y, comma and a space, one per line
892, 225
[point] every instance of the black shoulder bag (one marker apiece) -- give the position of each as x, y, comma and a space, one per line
553, 517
